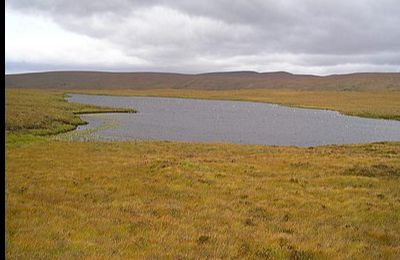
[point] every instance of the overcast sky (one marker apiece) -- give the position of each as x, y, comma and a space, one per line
299, 36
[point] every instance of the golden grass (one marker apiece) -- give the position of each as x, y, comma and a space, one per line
152, 200
184, 200
375, 104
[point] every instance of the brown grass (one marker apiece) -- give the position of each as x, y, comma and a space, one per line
216, 81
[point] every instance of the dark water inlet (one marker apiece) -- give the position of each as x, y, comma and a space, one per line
230, 121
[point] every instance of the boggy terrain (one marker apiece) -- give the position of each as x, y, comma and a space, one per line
69, 199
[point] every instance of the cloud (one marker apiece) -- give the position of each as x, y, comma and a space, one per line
316, 36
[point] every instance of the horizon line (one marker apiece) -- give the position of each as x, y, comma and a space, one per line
203, 73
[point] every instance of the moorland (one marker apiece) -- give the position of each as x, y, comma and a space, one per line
161, 199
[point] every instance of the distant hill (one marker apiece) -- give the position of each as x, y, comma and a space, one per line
215, 80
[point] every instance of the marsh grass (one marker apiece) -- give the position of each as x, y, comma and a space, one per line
154, 200
169, 199
89, 134
40, 112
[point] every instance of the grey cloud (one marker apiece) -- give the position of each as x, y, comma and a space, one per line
317, 32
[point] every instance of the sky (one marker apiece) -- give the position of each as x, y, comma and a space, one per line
299, 36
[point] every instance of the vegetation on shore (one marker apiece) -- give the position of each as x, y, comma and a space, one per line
41, 112
69, 199
371, 104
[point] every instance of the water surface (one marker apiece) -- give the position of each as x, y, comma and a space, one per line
229, 121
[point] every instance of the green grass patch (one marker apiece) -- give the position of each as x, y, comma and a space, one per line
39, 112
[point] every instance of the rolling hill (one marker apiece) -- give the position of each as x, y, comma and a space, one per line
214, 81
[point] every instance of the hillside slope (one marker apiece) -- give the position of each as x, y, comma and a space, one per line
217, 80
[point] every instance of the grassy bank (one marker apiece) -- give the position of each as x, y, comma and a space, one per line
40, 112
373, 104
67, 199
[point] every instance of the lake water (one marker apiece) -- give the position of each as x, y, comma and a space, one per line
228, 121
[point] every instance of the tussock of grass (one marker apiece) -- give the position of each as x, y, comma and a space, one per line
186, 200
376, 170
